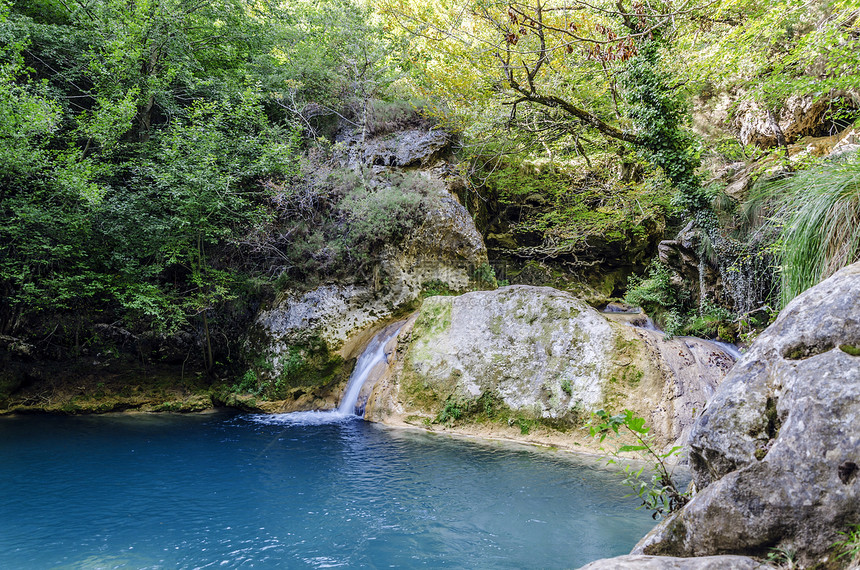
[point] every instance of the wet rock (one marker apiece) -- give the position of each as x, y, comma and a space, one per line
689, 271
775, 453
640, 562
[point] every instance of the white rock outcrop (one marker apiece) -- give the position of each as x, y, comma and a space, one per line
547, 355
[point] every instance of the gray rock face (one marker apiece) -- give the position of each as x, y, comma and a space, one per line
524, 343
688, 269
446, 248
410, 148
777, 450
799, 116
547, 354
641, 562
407, 148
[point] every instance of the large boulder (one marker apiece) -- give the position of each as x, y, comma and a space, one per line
544, 355
775, 455
641, 562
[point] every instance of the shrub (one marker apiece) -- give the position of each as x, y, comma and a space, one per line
661, 493
659, 297
333, 223
820, 222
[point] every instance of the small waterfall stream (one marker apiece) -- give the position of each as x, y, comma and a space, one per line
372, 357
638, 319
370, 365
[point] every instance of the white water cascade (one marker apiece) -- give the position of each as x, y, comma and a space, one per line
370, 360
370, 366
640, 320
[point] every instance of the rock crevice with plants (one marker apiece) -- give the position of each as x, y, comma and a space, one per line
775, 453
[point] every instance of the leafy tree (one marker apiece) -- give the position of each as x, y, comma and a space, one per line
564, 72
772, 50
141, 144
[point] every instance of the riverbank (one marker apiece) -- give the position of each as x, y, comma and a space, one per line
108, 395
88, 386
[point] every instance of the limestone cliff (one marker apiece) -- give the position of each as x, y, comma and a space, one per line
331, 321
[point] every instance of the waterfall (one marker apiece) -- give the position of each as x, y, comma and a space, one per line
372, 357
370, 366
732, 349
643, 321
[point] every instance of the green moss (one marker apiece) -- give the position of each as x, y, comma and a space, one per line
632, 376
416, 391
436, 288
433, 319
569, 207
797, 353
772, 416
489, 408
566, 387
496, 325
308, 364
853, 350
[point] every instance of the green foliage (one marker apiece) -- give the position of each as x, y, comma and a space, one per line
488, 407
769, 51
659, 494
485, 277
339, 220
571, 210
849, 547
659, 113
453, 410
247, 384
659, 297
566, 386
435, 289
782, 557
525, 424
710, 321
819, 213
141, 145
670, 307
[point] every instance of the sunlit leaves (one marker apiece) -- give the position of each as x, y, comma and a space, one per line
775, 49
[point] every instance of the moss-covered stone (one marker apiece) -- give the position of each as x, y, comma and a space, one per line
545, 359
853, 350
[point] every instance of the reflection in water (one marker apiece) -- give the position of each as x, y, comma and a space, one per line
223, 490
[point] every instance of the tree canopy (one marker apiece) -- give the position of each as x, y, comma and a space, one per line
568, 70
138, 141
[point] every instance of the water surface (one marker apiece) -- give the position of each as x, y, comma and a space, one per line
226, 491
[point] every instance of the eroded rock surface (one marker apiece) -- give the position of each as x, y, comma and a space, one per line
545, 354
444, 249
641, 562
777, 450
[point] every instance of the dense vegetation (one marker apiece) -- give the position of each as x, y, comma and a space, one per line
145, 147
164, 163
573, 86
